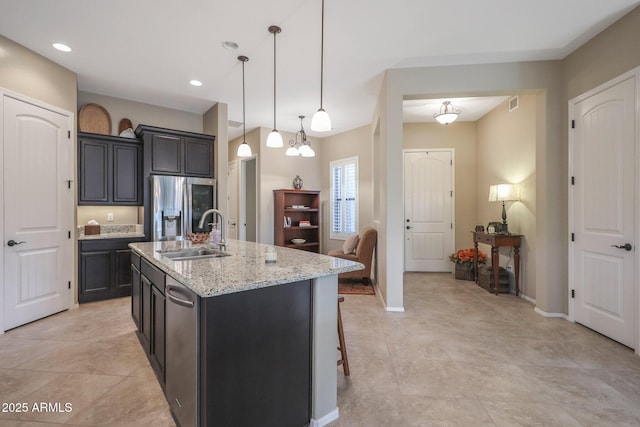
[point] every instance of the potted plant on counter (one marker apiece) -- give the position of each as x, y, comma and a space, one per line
463, 260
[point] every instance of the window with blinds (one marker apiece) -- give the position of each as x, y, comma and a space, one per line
344, 198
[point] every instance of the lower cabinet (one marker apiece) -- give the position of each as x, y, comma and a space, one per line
104, 269
148, 311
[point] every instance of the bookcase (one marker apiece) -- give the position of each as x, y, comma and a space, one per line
293, 209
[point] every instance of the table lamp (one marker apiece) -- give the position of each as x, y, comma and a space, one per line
504, 193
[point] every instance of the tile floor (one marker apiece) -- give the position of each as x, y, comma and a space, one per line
458, 356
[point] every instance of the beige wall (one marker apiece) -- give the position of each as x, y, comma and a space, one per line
214, 122
541, 78
121, 214
461, 136
506, 154
30, 74
140, 113
277, 171
609, 54
354, 143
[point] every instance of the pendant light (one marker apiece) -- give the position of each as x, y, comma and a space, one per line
321, 122
243, 149
275, 139
302, 147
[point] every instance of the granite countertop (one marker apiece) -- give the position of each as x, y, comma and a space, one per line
113, 231
245, 269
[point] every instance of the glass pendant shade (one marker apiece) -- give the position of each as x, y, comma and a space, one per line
244, 150
274, 140
306, 151
321, 122
448, 114
292, 152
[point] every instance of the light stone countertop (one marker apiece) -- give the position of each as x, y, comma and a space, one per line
113, 231
245, 269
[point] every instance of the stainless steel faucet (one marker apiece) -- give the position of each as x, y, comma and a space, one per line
223, 243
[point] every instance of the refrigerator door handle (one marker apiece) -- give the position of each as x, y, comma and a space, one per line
188, 208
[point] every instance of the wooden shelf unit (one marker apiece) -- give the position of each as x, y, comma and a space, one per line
283, 200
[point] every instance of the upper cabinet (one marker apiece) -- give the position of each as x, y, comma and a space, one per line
109, 170
172, 152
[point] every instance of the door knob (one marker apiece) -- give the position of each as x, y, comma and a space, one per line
409, 227
13, 242
627, 246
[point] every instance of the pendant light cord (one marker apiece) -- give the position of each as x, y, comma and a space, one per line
274, 81
244, 120
322, 55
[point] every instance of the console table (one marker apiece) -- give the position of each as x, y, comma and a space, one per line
495, 241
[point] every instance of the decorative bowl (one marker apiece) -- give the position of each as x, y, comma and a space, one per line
198, 237
297, 241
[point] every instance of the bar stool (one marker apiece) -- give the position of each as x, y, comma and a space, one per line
344, 361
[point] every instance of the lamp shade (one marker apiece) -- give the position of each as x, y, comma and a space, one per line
274, 140
292, 151
504, 192
244, 150
321, 122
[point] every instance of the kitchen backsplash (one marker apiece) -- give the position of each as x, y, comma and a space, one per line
119, 215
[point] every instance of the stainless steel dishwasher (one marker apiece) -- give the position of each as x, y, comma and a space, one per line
181, 381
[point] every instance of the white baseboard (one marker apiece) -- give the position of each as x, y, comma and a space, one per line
528, 298
545, 314
383, 302
321, 422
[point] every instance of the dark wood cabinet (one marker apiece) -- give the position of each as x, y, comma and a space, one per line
173, 152
104, 269
136, 290
109, 170
302, 208
258, 337
151, 329
157, 330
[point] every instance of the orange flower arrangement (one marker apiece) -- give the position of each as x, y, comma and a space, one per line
465, 256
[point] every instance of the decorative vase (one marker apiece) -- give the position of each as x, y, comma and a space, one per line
297, 182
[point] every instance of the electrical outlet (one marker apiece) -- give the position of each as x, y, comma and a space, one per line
110, 217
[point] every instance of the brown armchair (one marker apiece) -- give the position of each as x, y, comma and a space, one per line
363, 254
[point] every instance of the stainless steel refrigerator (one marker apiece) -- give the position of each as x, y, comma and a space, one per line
178, 205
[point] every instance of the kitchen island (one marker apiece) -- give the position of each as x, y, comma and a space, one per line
236, 341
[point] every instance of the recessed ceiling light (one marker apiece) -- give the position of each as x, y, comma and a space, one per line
230, 45
195, 83
61, 47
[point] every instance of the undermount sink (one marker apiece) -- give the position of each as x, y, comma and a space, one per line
192, 254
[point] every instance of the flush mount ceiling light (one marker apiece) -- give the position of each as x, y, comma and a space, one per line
302, 147
196, 83
448, 114
243, 149
61, 47
321, 122
275, 139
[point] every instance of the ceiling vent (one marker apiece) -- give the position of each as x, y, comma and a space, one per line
514, 101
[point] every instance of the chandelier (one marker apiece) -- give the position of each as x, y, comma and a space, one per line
301, 147
448, 114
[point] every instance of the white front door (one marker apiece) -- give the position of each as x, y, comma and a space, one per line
232, 198
602, 212
38, 211
428, 210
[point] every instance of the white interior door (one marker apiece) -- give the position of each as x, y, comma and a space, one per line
232, 198
38, 211
603, 159
428, 208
